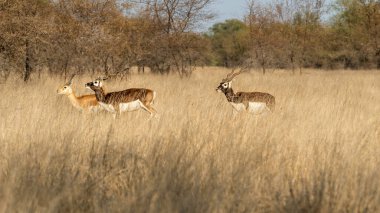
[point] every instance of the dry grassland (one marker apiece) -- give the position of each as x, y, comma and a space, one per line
318, 152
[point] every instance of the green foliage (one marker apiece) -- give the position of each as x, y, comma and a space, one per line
357, 24
229, 42
84, 35
296, 36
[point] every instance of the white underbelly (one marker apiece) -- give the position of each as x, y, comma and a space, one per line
253, 107
130, 106
257, 107
107, 107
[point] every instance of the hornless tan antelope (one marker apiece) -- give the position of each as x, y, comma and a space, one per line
126, 100
87, 103
253, 102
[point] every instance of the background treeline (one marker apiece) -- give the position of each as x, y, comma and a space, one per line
295, 34
163, 35
106, 35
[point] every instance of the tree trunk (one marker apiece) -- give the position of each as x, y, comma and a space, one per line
28, 67
4, 74
292, 62
263, 65
106, 65
65, 66
141, 69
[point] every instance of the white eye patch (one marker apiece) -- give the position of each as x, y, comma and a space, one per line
225, 85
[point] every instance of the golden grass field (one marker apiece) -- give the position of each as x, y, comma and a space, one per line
318, 152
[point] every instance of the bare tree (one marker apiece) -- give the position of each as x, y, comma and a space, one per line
301, 25
21, 37
263, 38
175, 44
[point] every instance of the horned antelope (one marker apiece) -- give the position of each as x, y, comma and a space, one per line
87, 103
126, 100
253, 102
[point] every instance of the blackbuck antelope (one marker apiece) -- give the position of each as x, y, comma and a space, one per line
253, 102
126, 100
87, 103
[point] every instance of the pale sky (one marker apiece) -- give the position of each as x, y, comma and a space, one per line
227, 9
230, 9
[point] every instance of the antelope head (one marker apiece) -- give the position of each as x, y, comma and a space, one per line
96, 84
66, 89
226, 83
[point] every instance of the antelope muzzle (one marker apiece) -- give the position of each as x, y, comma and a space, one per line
89, 85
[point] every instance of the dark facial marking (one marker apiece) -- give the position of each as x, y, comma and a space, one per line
223, 86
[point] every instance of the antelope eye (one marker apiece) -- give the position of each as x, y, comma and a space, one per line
65, 87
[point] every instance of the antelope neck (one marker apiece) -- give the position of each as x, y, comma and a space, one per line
99, 94
230, 95
73, 99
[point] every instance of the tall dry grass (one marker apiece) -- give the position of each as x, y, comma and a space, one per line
318, 152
